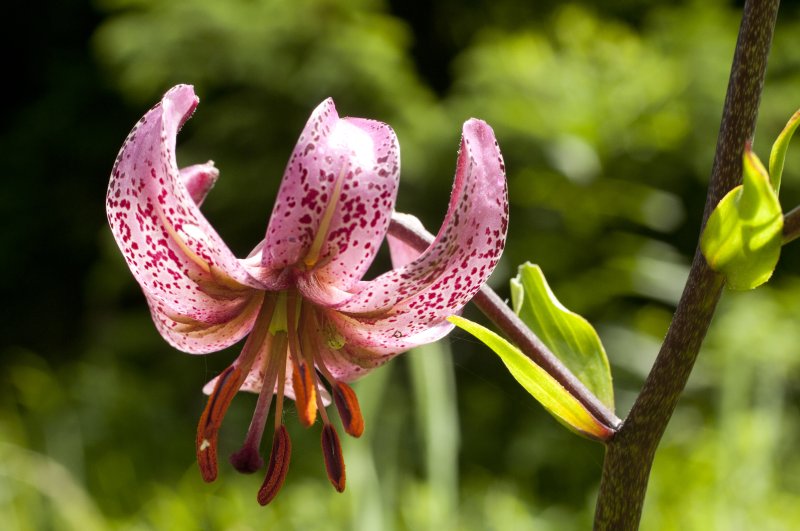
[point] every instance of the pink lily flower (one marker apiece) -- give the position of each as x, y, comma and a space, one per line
299, 296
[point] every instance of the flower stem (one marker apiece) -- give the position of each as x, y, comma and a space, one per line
629, 455
488, 302
791, 226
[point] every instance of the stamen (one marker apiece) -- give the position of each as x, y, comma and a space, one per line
228, 384
304, 394
248, 459
279, 391
278, 465
302, 373
281, 444
332, 452
349, 410
320, 404
331, 447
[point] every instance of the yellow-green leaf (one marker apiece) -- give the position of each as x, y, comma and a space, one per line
543, 387
742, 238
778, 154
568, 335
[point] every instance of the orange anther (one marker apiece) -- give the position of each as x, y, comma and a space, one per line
349, 410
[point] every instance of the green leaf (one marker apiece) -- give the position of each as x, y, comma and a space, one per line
543, 387
568, 335
778, 154
742, 238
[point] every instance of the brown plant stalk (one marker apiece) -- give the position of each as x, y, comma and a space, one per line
629, 455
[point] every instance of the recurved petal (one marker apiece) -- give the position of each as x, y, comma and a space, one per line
362, 215
336, 198
196, 337
450, 271
199, 179
172, 251
369, 343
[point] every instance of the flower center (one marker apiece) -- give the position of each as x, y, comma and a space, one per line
287, 334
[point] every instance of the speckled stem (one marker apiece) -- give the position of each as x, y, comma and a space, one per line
629, 455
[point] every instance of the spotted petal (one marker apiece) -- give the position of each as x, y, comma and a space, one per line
396, 308
372, 342
335, 201
176, 256
196, 337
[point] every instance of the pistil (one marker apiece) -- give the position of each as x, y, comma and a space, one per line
248, 458
228, 384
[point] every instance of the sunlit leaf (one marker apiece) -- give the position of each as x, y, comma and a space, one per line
543, 387
568, 335
742, 239
778, 154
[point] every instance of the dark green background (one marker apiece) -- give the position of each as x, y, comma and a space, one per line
606, 113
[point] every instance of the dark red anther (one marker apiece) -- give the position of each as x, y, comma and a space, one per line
332, 452
278, 465
349, 410
226, 388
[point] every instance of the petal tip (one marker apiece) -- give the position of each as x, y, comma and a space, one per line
179, 103
181, 91
479, 130
326, 107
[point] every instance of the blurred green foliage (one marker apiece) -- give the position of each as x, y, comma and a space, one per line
607, 114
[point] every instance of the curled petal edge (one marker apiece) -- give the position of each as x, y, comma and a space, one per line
178, 259
446, 275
